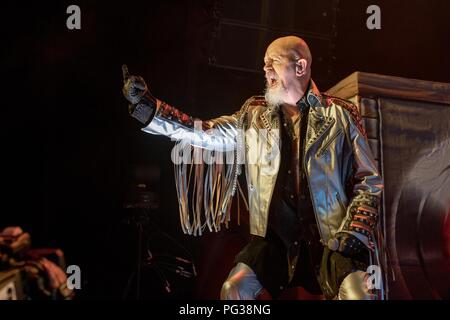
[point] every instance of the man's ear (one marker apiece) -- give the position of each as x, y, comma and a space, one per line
300, 67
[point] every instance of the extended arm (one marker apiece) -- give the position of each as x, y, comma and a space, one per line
160, 118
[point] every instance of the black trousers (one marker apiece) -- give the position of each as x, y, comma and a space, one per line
318, 269
268, 258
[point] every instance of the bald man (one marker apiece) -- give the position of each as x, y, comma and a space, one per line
313, 203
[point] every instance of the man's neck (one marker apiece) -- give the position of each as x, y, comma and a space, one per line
299, 93
291, 109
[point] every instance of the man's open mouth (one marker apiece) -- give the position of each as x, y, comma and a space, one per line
273, 82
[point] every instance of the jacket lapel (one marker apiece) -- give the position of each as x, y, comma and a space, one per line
318, 125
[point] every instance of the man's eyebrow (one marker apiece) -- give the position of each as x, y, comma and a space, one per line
277, 57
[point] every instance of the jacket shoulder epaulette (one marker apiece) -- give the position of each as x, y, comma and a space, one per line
351, 108
256, 101
253, 102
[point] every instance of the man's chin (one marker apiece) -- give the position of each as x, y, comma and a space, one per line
273, 98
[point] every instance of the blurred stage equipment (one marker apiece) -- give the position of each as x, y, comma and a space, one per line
24, 272
141, 206
238, 25
408, 126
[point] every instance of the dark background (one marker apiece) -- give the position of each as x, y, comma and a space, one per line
69, 146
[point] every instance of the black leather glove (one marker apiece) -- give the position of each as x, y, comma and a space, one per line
349, 245
143, 104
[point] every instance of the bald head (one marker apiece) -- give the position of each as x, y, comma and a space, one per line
292, 47
287, 65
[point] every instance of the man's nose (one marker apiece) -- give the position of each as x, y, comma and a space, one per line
267, 67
